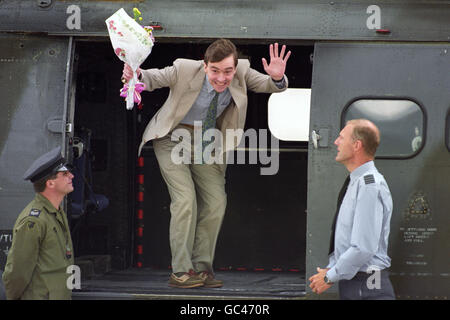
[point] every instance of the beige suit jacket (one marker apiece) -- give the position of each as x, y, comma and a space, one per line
185, 79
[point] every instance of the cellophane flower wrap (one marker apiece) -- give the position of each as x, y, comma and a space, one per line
132, 44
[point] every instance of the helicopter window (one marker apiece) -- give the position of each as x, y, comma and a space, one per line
401, 124
288, 114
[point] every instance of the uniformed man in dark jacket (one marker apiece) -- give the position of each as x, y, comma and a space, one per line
41, 251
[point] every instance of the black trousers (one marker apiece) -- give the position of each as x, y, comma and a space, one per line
367, 286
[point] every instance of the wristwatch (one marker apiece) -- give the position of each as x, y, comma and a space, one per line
327, 281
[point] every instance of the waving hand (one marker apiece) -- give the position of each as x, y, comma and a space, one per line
277, 65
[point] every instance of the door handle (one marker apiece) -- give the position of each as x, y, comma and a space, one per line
315, 138
320, 139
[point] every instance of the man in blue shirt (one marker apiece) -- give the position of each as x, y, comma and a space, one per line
358, 252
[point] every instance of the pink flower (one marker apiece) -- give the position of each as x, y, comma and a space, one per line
120, 52
137, 91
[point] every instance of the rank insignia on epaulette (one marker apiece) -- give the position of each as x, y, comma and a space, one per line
35, 212
368, 179
30, 225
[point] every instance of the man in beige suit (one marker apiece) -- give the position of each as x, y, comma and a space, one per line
215, 88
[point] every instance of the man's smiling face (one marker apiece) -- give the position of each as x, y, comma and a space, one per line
220, 74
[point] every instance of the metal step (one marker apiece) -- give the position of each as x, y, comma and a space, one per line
137, 284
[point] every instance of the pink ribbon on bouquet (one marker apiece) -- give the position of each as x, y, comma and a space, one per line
138, 88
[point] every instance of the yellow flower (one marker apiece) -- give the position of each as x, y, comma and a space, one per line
137, 14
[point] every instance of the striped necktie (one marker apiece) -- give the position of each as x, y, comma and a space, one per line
210, 120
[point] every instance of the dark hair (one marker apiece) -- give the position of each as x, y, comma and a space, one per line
219, 50
41, 184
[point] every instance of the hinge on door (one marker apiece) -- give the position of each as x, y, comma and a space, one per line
69, 127
57, 126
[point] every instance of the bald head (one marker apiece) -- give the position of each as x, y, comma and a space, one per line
367, 132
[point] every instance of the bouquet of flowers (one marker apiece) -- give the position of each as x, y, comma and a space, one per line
132, 43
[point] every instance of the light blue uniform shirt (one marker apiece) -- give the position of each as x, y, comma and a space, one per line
200, 107
363, 225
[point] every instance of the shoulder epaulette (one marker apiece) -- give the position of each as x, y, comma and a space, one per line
368, 179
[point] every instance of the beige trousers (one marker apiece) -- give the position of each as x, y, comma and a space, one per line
198, 202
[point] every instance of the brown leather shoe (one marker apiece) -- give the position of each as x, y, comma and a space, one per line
186, 280
209, 280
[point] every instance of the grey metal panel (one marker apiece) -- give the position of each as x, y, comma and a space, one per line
32, 77
419, 243
243, 19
